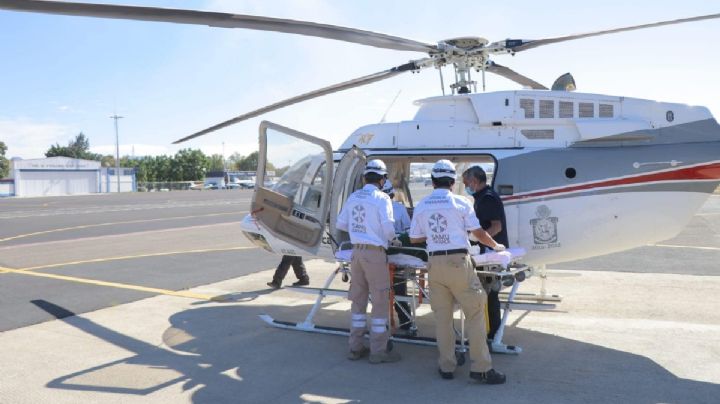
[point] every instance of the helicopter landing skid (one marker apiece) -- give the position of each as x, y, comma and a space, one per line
309, 327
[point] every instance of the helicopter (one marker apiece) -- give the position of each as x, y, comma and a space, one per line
572, 168
580, 174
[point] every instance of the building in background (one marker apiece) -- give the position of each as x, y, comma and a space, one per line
108, 180
66, 176
7, 187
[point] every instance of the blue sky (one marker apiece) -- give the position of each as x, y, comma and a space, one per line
62, 75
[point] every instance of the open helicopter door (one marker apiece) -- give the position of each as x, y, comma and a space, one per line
295, 208
347, 180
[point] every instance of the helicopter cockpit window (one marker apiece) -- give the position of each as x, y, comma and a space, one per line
301, 179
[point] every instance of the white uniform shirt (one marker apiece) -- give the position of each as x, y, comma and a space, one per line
402, 219
444, 219
367, 216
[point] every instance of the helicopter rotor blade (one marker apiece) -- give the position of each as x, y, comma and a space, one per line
360, 81
510, 74
215, 19
525, 45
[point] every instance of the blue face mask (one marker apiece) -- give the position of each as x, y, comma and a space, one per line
469, 191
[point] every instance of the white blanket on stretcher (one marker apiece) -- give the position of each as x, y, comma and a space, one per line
502, 258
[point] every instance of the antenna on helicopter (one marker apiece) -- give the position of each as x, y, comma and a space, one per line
382, 120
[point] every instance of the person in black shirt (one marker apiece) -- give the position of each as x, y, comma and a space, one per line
491, 214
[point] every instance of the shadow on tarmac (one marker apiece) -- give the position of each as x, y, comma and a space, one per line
227, 354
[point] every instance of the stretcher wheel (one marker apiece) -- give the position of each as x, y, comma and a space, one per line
520, 276
460, 358
345, 277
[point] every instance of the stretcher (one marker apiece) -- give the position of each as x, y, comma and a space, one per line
409, 265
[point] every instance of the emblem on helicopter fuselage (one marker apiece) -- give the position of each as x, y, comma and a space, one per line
545, 231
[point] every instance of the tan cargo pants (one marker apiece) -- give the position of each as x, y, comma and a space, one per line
452, 278
369, 274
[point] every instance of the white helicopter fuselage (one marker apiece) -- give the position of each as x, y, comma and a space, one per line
581, 175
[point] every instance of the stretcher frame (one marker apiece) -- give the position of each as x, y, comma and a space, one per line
418, 292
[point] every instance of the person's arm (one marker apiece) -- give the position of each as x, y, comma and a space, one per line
386, 220
405, 219
490, 209
485, 238
417, 234
495, 228
342, 220
472, 224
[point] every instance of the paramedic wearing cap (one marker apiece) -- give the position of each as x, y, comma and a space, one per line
367, 216
442, 219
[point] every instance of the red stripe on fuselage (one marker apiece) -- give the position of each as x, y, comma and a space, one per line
702, 172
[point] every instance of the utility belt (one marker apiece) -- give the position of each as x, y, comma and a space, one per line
448, 252
369, 247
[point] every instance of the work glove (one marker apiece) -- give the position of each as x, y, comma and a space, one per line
500, 248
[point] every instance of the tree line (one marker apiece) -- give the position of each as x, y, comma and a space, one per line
185, 165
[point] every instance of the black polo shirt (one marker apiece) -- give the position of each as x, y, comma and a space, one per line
489, 207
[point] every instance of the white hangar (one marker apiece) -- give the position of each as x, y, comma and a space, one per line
66, 176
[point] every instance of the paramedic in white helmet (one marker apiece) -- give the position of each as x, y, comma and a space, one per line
443, 220
368, 217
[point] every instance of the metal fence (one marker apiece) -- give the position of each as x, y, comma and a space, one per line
165, 186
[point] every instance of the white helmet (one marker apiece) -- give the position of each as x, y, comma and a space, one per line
375, 166
443, 168
388, 187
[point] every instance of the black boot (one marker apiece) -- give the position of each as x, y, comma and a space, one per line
492, 376
302, 281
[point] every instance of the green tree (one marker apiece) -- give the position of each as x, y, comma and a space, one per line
250, 163
189, 165
234, 160
4, 163
108, 161
78, 148
216, 163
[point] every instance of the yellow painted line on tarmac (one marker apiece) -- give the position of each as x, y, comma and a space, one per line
127, 257
687, 246
157, 291
87, 226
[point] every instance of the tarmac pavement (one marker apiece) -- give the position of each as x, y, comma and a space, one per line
168, 312
616, 337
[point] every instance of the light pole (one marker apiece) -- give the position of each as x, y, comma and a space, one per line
117, 151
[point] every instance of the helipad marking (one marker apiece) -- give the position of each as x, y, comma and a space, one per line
87, 226
158, 291
62, 264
